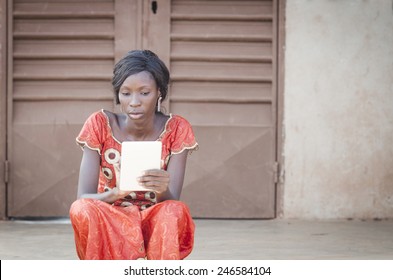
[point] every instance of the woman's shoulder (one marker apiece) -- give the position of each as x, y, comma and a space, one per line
103, 117
98, 116
179, 134
178, 120
98, 120
93, 132
178, 125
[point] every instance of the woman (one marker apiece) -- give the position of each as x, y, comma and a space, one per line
113, 224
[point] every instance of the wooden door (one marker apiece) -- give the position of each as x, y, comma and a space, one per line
61, 57
223, 62
223, 65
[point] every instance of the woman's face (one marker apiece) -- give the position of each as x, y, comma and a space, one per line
138, 96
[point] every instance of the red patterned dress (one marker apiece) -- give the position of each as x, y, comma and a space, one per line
136, 226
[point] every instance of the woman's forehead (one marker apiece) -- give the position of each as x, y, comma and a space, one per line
140, 79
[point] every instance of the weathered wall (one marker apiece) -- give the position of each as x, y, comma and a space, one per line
338, 111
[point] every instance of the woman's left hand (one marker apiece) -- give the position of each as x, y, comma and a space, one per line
156, 179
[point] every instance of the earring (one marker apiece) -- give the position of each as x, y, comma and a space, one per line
159, 104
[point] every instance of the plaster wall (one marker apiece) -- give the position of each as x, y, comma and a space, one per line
338, 109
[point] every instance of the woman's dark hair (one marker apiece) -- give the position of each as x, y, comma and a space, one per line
135, 62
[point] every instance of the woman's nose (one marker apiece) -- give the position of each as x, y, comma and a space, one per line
134, 100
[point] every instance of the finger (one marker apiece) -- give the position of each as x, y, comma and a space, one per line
151, 186
120, 193
155, 187
152, 178
154, 183
116, 167
155, 172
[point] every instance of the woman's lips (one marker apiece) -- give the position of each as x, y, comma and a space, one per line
135, 115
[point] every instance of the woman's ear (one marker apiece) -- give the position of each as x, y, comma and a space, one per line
159, 102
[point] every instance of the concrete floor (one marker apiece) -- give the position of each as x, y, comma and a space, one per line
224, 240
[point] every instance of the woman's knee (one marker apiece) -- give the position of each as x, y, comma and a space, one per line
80, 207
176, 208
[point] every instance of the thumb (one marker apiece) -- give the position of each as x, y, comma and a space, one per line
116, 167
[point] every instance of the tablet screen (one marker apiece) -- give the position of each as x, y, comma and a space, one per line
136, 157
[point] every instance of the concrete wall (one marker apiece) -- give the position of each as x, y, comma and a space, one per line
338, 104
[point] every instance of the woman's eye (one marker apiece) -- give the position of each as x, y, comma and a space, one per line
145, 93
125, 93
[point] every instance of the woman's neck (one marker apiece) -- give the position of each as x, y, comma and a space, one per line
139, 131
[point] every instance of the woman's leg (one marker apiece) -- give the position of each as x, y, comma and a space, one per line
103, 231
168, 230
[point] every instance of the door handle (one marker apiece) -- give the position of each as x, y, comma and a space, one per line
154, 7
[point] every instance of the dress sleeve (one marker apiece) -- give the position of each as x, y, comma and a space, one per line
183, 137
92, 133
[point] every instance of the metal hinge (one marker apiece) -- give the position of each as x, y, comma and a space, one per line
278, 173
6, 171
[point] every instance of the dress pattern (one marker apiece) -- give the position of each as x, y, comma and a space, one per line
136, 226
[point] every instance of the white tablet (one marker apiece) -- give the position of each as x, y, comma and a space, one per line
136, 157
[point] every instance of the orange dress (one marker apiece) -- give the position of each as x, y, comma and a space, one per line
136, 226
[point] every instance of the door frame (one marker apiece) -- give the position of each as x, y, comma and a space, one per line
280, 136
3, 107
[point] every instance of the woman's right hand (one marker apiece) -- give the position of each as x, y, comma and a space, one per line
118, 193
88, 179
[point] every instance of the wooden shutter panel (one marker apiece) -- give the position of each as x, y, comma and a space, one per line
223, 81
63, 55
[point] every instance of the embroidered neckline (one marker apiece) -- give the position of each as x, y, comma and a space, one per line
114, 138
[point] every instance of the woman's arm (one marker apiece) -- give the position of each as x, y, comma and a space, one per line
88, 179
167, 184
